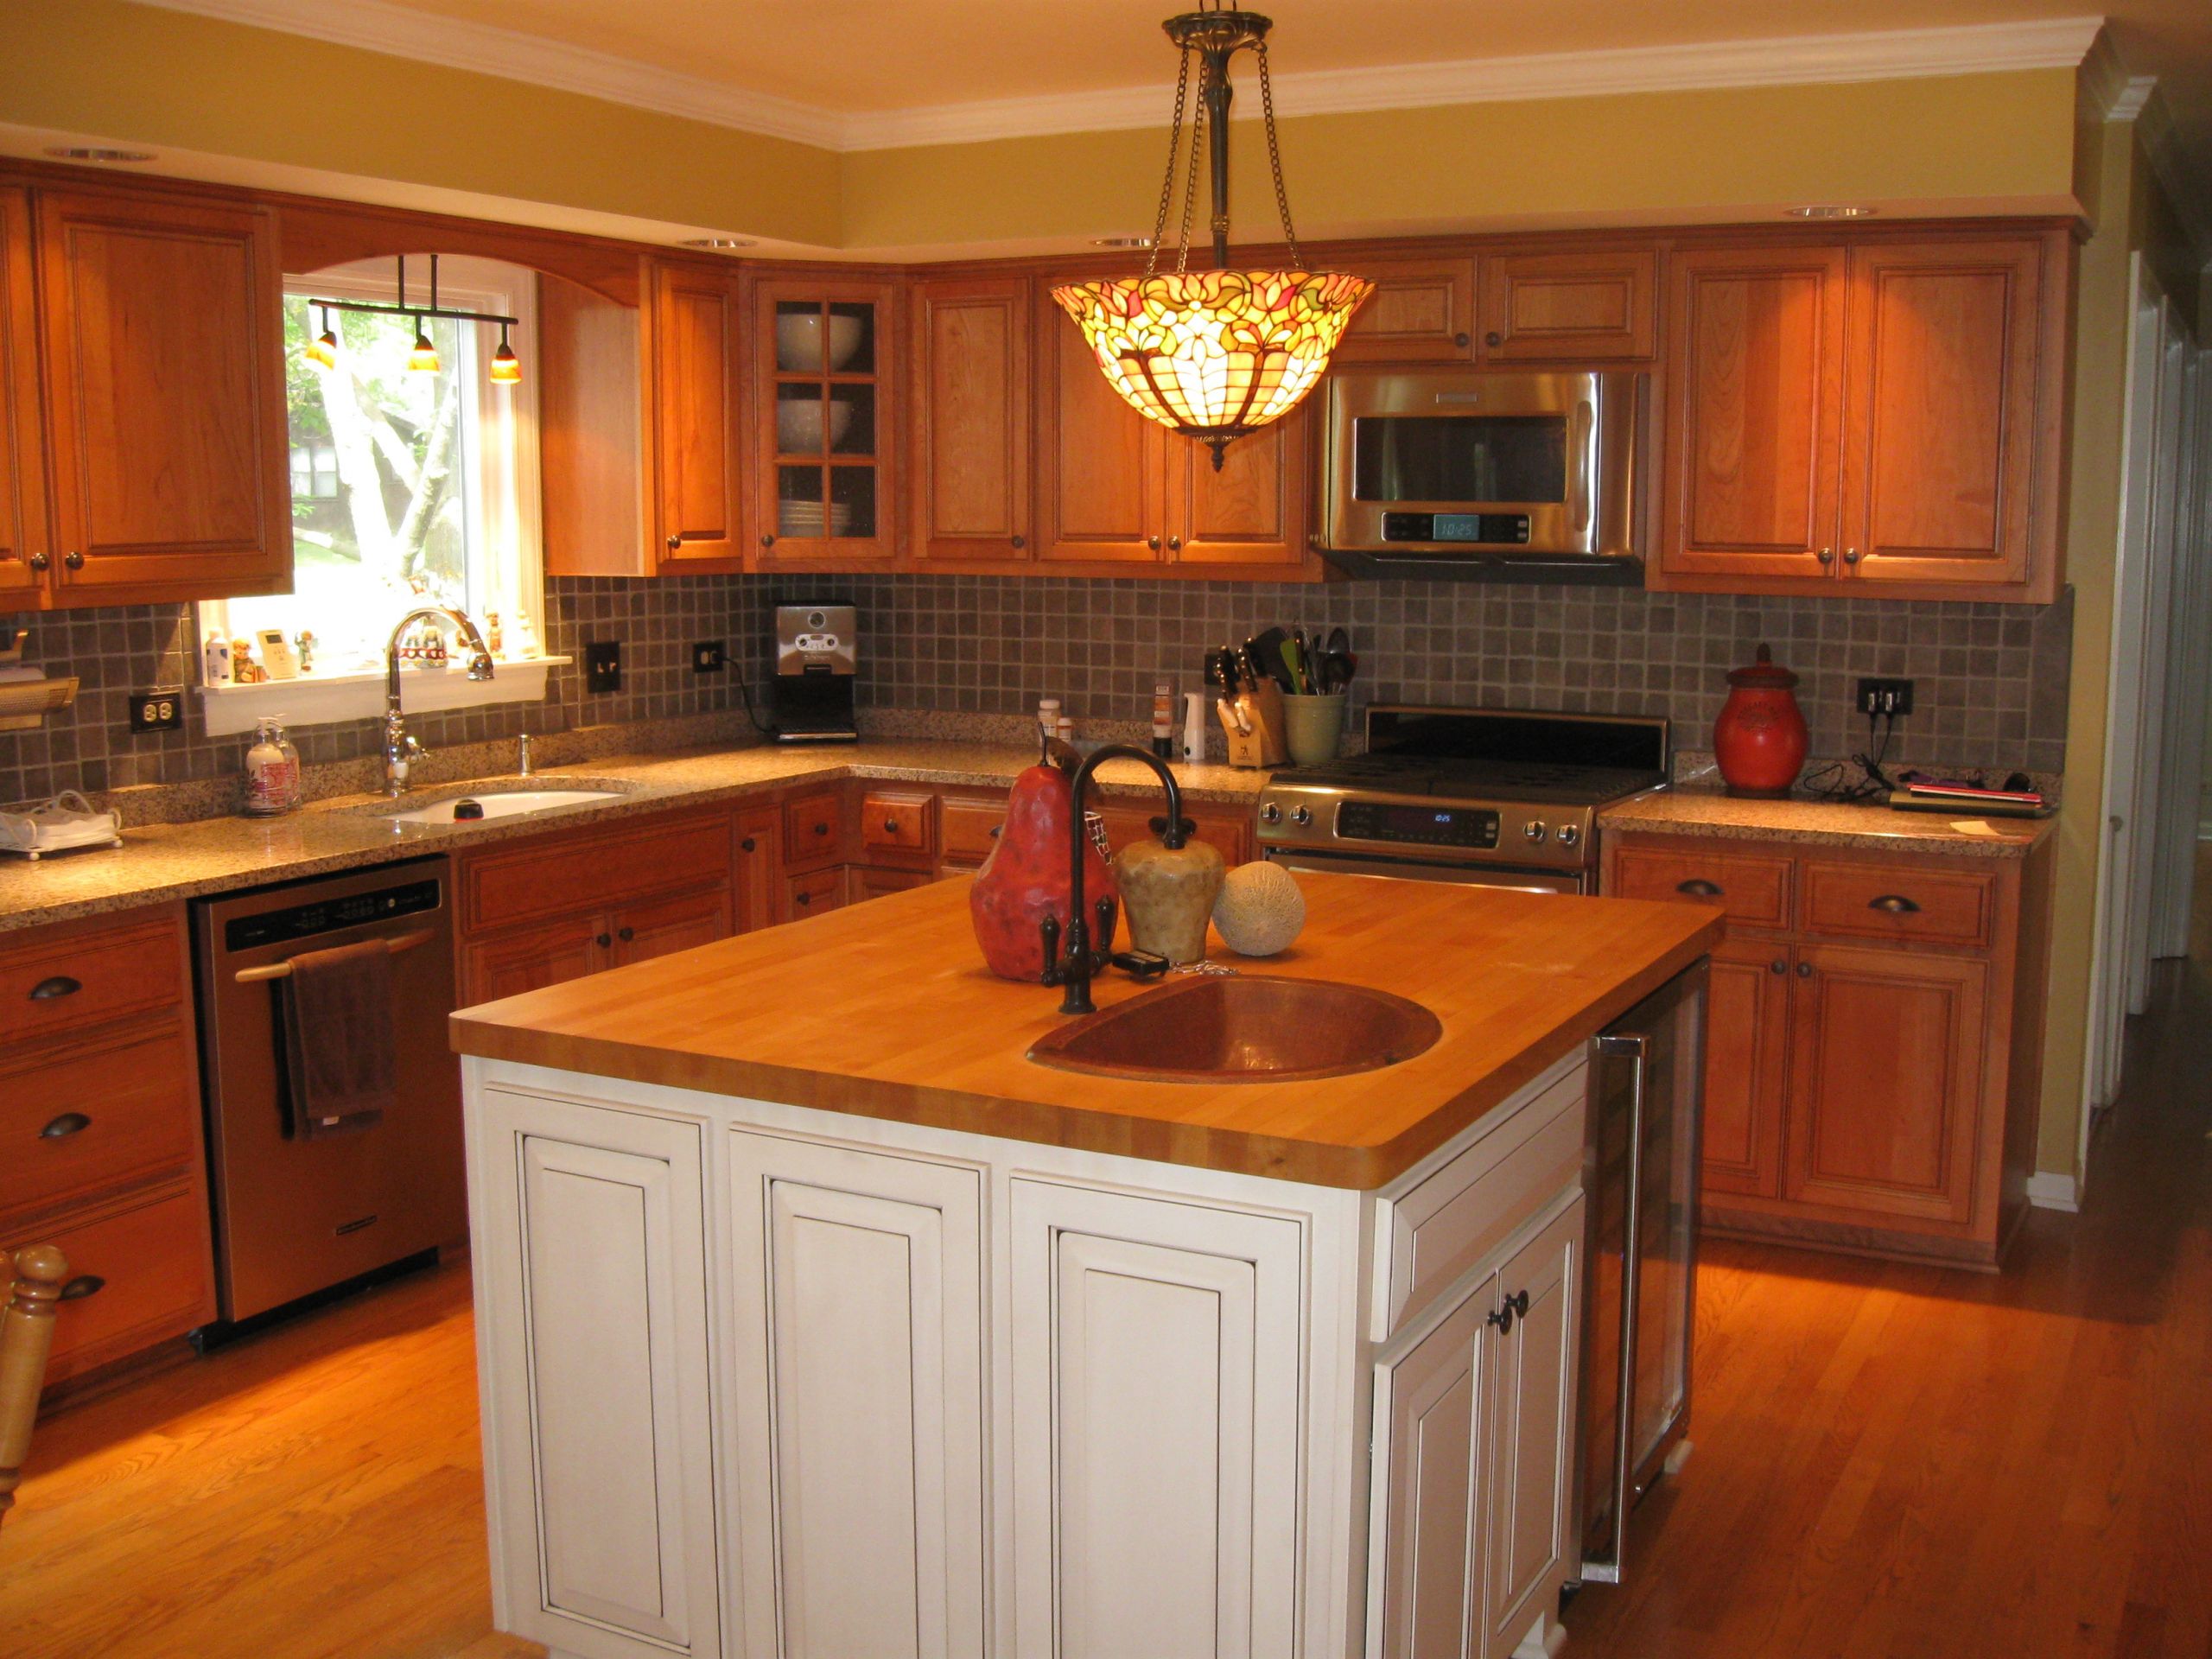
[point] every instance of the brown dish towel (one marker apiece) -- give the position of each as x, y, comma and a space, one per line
338, 1038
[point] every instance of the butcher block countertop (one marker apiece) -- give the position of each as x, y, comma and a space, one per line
885, 1010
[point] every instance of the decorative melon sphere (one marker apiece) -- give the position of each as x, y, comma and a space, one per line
1261, 909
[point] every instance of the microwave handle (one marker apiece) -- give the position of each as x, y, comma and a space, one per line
1582, 468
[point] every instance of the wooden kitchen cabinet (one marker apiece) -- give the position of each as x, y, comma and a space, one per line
1435, 1507
160, 402
695, 335
1422, 310
816, 892
862, 1273
603, 1510
1254, 511
1883, 415
530, 959
1872, 1023
1597, 305
825, 389
758, 863
664, 926
972, 424
26, 532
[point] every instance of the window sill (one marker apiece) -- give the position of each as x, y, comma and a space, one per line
320, 701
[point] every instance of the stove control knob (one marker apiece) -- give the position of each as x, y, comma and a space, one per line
1568, 834
1301, 816
1534, 829
1270, 813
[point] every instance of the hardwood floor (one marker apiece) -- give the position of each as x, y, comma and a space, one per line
1891, 1462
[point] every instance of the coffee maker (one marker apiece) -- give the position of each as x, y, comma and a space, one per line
811, 695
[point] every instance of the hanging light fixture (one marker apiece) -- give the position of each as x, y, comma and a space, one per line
506, 368
422, 357
322, 351
1215, 354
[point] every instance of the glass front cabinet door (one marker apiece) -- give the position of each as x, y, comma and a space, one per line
825, 417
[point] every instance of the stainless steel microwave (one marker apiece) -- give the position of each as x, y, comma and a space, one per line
1430, 470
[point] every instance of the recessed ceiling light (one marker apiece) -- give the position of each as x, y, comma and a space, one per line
1121, 241
97, 153
721, 244
1829, 210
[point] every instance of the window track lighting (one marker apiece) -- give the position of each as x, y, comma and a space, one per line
506, 368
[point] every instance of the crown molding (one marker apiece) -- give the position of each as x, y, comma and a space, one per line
509, 54
379, 26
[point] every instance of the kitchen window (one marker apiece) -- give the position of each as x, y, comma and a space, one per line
409, 487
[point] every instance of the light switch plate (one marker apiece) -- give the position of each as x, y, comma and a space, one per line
706, 657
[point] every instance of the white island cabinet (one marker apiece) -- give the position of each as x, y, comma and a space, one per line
764, 1382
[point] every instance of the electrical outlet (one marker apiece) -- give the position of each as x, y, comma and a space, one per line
157, 709
603, 665
706, 657
1884, 696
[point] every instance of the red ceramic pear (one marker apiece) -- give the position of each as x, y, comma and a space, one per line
1026, 878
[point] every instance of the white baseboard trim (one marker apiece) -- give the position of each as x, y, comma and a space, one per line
2049, 1190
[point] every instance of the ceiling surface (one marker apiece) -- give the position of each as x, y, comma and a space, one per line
865, 57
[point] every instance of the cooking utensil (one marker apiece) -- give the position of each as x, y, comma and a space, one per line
1337, 663
1266, 651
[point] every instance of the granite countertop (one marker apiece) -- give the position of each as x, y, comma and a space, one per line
163, 862
1693, 811
888, 1012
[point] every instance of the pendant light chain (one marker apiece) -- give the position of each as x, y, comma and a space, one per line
1190, 184
1174, 145
1275, 155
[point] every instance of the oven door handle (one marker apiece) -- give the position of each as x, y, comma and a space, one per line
396, 945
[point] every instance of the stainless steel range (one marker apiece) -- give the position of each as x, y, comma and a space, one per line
1501, 798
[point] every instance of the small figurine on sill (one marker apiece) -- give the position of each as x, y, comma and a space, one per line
245, 668
494, 636
306, 642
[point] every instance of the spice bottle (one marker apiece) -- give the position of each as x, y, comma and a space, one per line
1163, 721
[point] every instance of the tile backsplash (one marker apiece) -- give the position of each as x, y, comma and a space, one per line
1991, 679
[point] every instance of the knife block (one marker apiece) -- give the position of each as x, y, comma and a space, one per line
1262, 708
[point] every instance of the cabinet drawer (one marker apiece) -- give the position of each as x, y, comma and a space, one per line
96, 1120
149, 1273
79, 978
1745, 887
895, 820
969, 830
589, 872
816, 892
667, 925
1445, 1225
810, 834
1872, 901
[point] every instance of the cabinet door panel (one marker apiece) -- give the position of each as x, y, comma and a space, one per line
527, 959
24, 532
1425, 1599
698, 461
759, 869
165, 398
1562, 308
863, 1413
1156, 1389
1532, 1424
971, 419
1746, 1070
1940, 455
1886, 1057
661, 929
1253, 510
1099, 475
1754, 408
603, 1519
1421, 311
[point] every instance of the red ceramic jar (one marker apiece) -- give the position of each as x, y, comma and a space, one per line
1760, 739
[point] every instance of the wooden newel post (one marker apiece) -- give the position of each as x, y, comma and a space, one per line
25, 1337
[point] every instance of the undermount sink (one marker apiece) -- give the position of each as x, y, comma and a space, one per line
511, 804
1243, 1029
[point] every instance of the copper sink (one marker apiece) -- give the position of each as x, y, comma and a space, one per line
1243, 1029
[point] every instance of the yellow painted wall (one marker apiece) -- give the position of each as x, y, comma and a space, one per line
142, 74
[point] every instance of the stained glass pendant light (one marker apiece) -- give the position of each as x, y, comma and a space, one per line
1215, 354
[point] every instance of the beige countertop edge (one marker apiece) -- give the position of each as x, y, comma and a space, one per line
1359, 1168
1717, 816
163, 863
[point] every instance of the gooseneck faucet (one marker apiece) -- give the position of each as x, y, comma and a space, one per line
1075, 967
401, 750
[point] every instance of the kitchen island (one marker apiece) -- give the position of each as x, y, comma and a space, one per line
814, 1318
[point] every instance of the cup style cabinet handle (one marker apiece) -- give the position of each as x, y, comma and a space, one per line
63, 1127
60, 985
1895, 904
1698, 888
84, 1285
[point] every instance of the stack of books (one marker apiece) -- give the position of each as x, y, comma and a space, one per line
1940, 795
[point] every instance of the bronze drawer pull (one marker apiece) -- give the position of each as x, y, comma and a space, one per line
890, 826
1698, 888
63, 1127
283, 970
603, 940
60, 985
748, 845
1512, 1307
1895, 903
822, 829
84, 1285
625, 934
802, 897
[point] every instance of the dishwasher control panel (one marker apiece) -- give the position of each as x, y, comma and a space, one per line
319, 916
